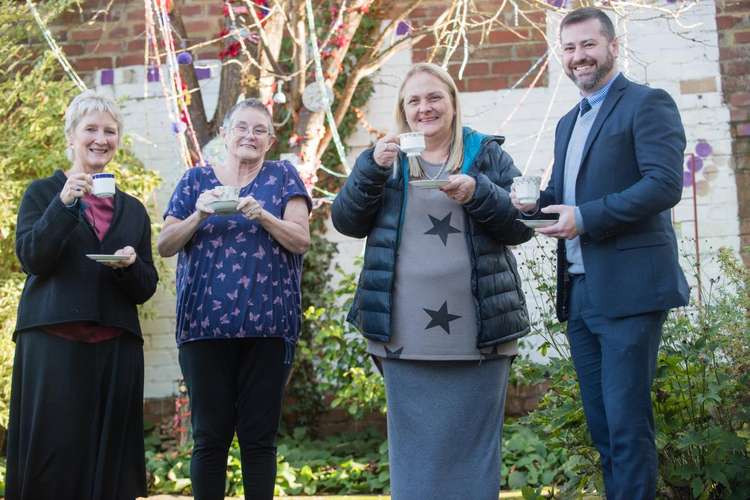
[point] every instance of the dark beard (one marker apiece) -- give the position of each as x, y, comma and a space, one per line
599, 74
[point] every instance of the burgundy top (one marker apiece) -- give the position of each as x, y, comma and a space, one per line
98, 212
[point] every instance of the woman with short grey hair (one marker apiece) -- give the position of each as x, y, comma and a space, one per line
240, 229
76, 408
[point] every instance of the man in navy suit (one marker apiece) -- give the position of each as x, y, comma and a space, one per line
616, 175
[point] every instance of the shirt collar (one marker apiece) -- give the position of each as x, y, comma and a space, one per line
601, 94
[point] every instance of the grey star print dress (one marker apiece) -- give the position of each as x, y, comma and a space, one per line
434, 314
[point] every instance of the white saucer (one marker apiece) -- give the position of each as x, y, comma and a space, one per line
429, 183
536, 224
224, 207
107, 258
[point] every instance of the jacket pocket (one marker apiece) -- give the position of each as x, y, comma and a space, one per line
640, 240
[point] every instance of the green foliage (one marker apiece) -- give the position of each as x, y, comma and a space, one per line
332, 366
345, 464
701, 403
31, 139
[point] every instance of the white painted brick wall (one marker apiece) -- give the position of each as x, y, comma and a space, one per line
657, 53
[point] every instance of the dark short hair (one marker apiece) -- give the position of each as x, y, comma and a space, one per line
586, 13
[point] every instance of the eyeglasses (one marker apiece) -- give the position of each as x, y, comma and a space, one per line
241, 129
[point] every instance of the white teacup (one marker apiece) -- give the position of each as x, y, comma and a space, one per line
104, 185
228, 193
527, 188
412, 143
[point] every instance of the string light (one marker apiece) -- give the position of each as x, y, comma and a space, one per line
321, 82
54, 48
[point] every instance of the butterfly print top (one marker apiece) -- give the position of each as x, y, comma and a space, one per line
233, 279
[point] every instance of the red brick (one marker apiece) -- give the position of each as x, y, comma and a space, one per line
538, 17
138, 44
137, 15
742, 37
738, 115
419, 55
493, 53
92, 63
478, 84
215, 9
508, 36
200, 26
426, 42
428, 13
193, 10
724, 22
138, 28
471, 69
743, 129
205, 53
510, 67
73, 49
119, 32
740, 99
104, 48
736, 68
84, 35
534, 50
130, 60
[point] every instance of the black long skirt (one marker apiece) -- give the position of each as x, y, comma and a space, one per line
76, 419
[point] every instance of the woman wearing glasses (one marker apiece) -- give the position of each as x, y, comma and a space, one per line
238, 299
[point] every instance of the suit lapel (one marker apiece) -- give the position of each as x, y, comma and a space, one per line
561, 151
613, 96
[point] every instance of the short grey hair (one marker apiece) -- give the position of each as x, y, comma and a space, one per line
253, 103
87, 102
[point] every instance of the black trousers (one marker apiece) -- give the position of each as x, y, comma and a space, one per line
234, 385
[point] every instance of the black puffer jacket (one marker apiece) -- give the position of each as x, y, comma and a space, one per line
371, 204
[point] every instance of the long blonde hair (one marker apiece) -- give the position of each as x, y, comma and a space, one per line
456, 153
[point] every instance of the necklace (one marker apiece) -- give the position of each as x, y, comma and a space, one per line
424, 170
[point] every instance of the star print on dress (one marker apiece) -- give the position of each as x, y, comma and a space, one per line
440, 318
442, 227
394, 354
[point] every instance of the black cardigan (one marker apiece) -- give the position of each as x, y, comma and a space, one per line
62, 284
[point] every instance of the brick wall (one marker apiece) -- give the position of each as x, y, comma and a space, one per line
500, 58
733, 23
117, 39
107, 34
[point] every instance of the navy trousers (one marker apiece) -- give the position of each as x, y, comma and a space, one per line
615, 359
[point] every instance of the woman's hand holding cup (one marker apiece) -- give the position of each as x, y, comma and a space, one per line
203, 202
77, 185
250, 208
386, 150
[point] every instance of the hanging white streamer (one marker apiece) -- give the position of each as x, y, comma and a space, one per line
544, 124
320, 81
56, 51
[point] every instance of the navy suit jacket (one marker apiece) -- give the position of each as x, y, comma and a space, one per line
630, 178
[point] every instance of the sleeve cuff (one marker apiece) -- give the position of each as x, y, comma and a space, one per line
579, 221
